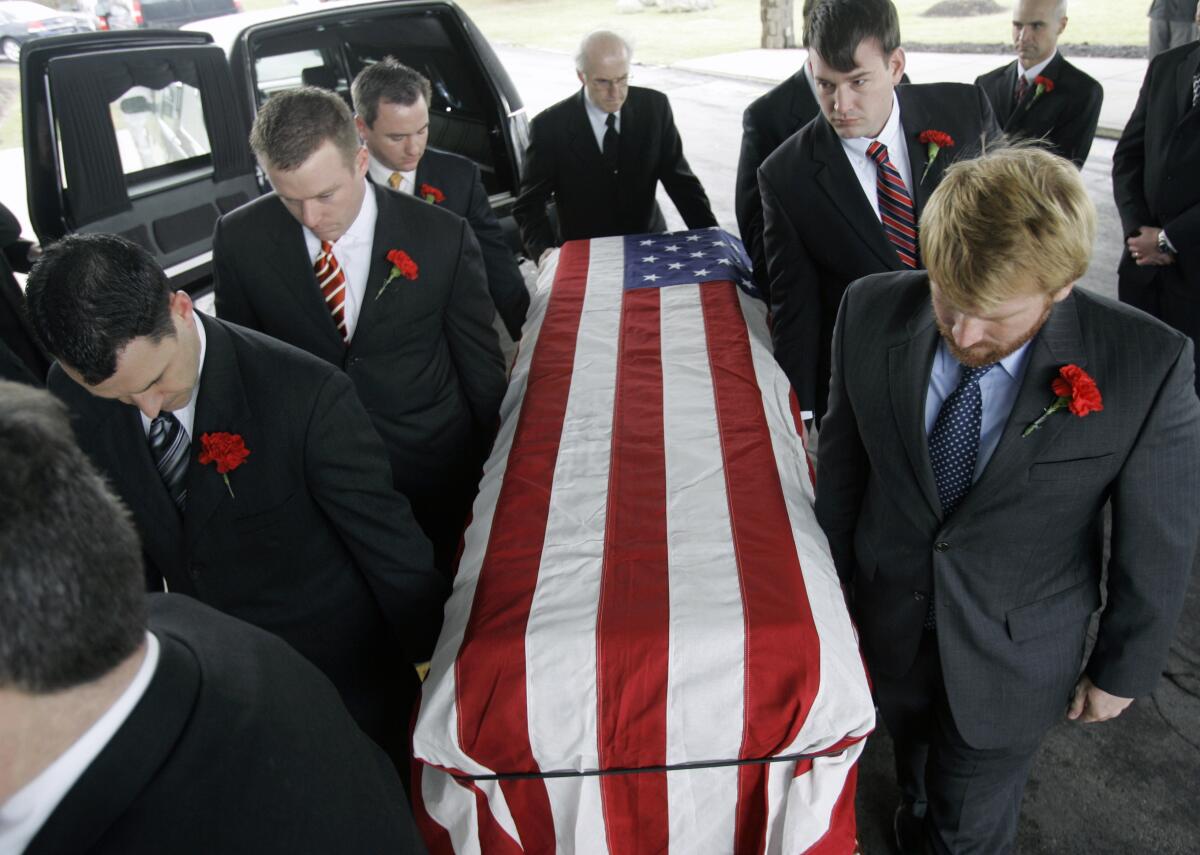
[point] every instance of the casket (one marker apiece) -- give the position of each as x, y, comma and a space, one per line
646, 648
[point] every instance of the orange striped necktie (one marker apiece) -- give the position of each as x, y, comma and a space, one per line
332, 282
896, 210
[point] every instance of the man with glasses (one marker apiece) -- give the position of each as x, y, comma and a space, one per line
600, 154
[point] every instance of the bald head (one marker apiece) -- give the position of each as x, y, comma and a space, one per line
1037, 24
602, 65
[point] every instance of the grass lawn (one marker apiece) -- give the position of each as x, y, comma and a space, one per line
663, 38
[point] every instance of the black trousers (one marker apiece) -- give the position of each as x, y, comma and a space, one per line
970, 798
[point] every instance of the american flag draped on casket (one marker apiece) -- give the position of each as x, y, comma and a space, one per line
647, 649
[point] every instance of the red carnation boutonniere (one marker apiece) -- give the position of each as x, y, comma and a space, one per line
1041, 85
227, 450
1076, 391
402, 265
431, 194
935, 141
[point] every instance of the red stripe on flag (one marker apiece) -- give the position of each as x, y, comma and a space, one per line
490, 668
437, 839
750, 830
634, 609
782, 670
843, 828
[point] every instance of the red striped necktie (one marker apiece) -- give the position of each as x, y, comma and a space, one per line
332, 282
895, 206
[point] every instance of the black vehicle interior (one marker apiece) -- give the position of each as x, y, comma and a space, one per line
461, 117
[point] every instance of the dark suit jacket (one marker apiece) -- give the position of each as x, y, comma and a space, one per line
1154, 180
766, 123
21, 354
1066, 117
1173, 10
1015, 571
424, 358
820, 233
238, 745
564, 162
309, 541
459, 180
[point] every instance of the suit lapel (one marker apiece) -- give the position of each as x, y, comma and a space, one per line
909, 366
914, 120
221, 407
127, 765
389, 222
289, 261
137, 479
1008, 86
582, 138
1059, 343
833, 174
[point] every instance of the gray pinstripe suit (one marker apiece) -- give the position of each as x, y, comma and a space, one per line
1015, 572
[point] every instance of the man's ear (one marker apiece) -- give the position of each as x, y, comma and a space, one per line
896, 63
1063, 292
361, 126
582, 79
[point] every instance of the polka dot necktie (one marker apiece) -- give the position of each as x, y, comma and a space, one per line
895, 206
954, 440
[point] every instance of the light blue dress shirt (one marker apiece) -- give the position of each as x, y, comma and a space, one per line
998, 388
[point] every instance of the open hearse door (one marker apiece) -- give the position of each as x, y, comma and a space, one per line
144, 133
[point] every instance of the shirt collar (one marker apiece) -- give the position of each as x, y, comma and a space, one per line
890, 136
1031, 73
380, 173
362, 230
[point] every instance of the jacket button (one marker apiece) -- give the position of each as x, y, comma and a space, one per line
918, 596
941, 546
194, 571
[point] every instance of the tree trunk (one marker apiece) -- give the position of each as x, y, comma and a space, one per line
778, 29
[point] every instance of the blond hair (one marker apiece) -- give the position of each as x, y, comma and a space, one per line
1013, 216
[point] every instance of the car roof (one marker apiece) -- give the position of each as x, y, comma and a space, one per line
226, 29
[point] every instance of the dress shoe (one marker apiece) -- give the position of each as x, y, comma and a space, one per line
908, 832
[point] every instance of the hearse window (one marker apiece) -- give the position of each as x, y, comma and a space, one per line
158, 127
285, 70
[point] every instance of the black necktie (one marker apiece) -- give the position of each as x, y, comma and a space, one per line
169, 446
611, 139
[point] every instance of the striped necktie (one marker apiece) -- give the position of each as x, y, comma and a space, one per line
169, 445
1022, 88
332, 282
895, 206
1196, 91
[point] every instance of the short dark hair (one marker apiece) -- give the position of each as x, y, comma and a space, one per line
296, 122
804, 15
71, 579
837, 27
388, 80
90, 295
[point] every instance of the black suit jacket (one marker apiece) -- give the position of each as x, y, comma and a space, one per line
820, 233
564, 162
1015, 571
425, 358
1154, 180
459, 181
309, 540
238, 745
21, 355
1066, 117
766, 123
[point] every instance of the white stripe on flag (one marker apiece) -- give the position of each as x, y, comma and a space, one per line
705, 681
560, 636
453, 807
811, 798
842, 706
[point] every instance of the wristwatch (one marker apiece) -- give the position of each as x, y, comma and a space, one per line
1163, 244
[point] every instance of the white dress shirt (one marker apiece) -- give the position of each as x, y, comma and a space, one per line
353, 252
867, 171
23, 815
186, 415
599, 119
1031, 73
382, 175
